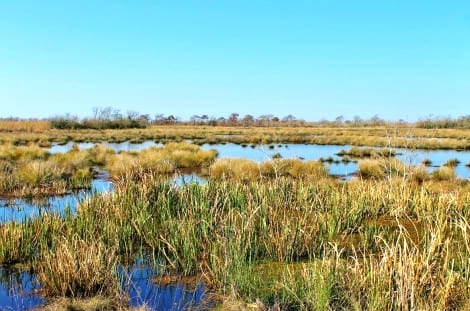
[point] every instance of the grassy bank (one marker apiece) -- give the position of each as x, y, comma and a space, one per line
379, 136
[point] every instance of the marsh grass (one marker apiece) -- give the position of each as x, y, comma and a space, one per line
89, 304
29, 126
379, 136
370, 169
452, 163
426, 162
248, 170
77, 268
32, 171
388, 168
285, 240
361, 152
162, 160
444, 173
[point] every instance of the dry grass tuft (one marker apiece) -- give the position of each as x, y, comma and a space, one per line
77, 268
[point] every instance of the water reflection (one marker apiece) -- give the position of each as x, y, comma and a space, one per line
123, 146
18, 290
184, 179
438, 158
138, 281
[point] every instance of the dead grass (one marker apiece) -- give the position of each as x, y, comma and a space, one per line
380, 136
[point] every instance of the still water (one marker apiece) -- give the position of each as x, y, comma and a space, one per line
19, 290
303, 151
23, 209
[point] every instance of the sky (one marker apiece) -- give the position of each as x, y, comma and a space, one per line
398, 59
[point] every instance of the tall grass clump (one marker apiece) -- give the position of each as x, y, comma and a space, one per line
380, 168
452, 163
163, 160
370, 169
237, 169
412, 277
358, 152
419, 174
444, 173
31, 171
243, 169
78, 268
294, 168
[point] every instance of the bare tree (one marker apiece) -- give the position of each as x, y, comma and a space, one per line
233, 118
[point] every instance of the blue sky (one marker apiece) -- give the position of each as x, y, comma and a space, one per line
313, 59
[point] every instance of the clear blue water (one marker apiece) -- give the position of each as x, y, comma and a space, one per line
20, 290
20, 210
142, 290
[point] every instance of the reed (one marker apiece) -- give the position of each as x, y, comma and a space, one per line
281, 239
370, 169
77, 268
29, 126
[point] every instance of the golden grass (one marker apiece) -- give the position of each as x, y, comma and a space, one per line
384, 136
444, 173
32, 171
243, 169
370, 169
161, 160
30, 126
77, 268
96, 303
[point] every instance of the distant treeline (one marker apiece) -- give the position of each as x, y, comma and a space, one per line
109, 118
103, 118
443, 123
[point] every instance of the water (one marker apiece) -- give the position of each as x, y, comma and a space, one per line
438, 158
183, 179
20, 290
142, 290
315, 152
124, 146
21, 210
308, 152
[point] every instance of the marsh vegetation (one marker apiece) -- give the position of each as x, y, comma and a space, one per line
257, 233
